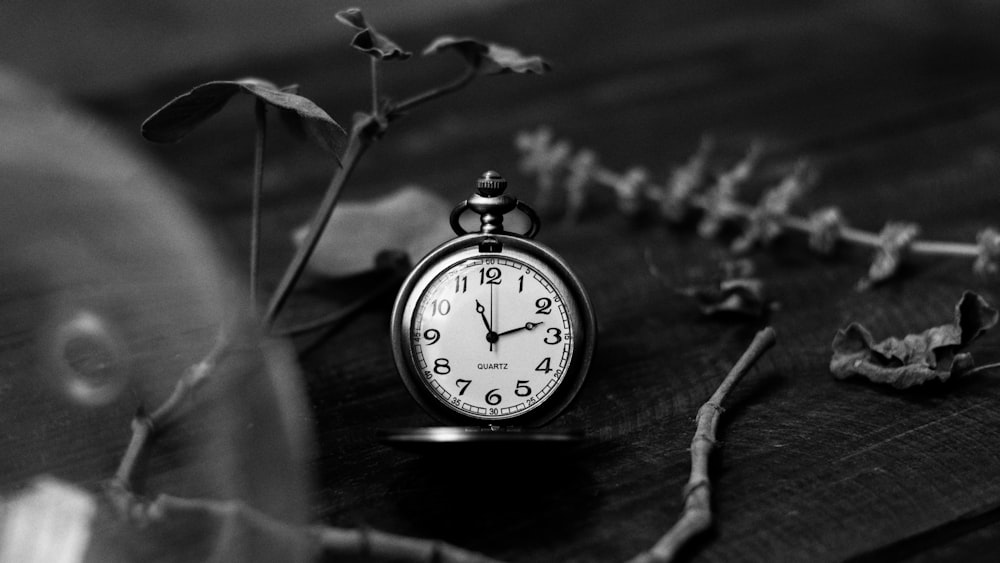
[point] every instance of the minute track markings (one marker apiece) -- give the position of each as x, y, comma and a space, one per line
505, 288
506, 383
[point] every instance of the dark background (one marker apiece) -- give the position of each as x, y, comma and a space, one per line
897, 102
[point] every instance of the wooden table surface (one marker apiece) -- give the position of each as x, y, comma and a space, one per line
897, 103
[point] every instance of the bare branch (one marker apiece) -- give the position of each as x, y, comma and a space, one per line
697, 515
145, 426
398, 109
376, 545
360, 139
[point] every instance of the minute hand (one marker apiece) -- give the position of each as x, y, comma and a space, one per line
527, 326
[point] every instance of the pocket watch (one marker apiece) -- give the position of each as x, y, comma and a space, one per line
492, 331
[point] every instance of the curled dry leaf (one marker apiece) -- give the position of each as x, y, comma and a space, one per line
737, 293
181, 115
411, 219
916, 358
685, 181
741, 297
894, 242
489, 58
988, 261
369, 41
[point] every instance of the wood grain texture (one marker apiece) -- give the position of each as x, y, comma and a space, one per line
900, 106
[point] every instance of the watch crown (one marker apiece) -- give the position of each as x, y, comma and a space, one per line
491, 184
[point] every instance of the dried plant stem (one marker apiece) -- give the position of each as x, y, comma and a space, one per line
375, 66
324, 542
697, 515
980, 369
402, 107
375, 545
260, 113
609, 178
365, 130
359, 141
144, 426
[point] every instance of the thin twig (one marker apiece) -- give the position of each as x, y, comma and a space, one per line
145, 426
260, 112
167, 413
397, 110
375, 545
359, 141
697, 515
141, 430
980, 369
375, 64
242, 521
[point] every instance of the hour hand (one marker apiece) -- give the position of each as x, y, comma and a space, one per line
527, 326
482, 313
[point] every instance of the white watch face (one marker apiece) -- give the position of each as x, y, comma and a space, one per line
493, 337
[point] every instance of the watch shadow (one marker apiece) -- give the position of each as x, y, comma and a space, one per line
495, 493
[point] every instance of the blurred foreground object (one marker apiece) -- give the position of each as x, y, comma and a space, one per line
109, 292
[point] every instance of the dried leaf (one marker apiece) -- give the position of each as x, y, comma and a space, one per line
685, 181
181, 115
736, 293
894, 242
825, 226
988, 261
916, 358
411, 219
369, 41
489, 58
741, 297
